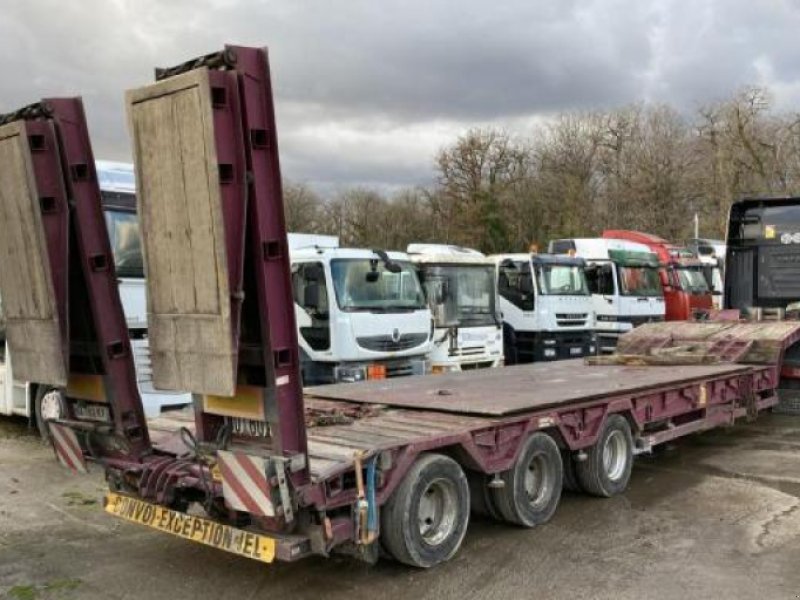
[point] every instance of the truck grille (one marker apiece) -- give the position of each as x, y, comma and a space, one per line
477, 365
385, 343
639, 320
571, 319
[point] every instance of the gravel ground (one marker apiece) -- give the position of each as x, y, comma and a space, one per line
716, 516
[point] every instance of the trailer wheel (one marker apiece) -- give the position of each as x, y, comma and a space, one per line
424, 521
607, 468
49, 404
533, 485
480, 496
571, 483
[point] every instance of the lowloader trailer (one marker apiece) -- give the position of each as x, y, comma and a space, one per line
267, 472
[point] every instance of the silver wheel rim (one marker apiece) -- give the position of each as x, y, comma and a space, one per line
538, 480
438, 509
615, 455
51, 406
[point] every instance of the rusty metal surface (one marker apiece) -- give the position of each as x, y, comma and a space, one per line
510, 390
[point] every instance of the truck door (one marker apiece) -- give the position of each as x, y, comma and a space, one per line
311, 295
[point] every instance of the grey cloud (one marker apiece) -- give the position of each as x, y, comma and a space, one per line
353, 78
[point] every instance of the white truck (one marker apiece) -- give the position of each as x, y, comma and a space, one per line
712, 254
361, 314
546, 307
43, 403
624, 281
461, 290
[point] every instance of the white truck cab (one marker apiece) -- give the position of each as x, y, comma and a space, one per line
361, 314
712, 255
461, 289
118, 190
624, 281
546, 306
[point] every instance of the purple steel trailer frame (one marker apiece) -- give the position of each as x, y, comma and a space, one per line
256, 243
94, 335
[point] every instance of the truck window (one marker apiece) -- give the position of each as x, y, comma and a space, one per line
639, 281
460, 295
600, 279
311, 294
693, 280
126, 244
366, 284
562, 280
515, 284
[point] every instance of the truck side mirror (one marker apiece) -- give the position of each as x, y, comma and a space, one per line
526, 285
442, 292
665, 282
311, 296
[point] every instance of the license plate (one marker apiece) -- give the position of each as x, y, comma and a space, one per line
575, 351
92, 412
249, 427
196, 529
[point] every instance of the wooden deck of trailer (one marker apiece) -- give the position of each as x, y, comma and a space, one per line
369, 417
520, 388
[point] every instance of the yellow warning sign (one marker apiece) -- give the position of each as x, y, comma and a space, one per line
196, 529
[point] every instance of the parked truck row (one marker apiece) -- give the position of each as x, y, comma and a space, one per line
266, 469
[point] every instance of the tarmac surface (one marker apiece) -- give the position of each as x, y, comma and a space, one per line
715, 516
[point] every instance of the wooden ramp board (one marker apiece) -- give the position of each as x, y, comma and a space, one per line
510, 390
26, 285
188, 302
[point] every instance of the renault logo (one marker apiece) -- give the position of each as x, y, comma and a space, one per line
395, 335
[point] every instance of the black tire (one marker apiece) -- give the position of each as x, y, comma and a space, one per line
607, 476
435, 481
538, 471
571, 483
41, 421
480, 496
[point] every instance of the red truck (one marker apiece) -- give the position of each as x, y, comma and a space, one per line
263, 469
685, 286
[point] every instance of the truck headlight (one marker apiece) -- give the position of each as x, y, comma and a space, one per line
607, 318
549, 352
441, 369
350, 373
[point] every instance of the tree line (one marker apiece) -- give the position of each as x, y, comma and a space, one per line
645, 167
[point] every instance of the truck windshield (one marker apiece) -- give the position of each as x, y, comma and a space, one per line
562, 280
639, 281
126, 244
460, 295
366, 284
692, 280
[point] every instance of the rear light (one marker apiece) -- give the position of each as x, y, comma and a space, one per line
376, 371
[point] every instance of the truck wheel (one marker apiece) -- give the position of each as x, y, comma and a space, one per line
607, 468
533, 485
480, 496
424, 521
571, 483
49, 404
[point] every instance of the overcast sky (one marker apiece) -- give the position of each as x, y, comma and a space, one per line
369, 90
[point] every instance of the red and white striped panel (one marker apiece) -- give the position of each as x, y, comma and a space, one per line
244, 483
68, 449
